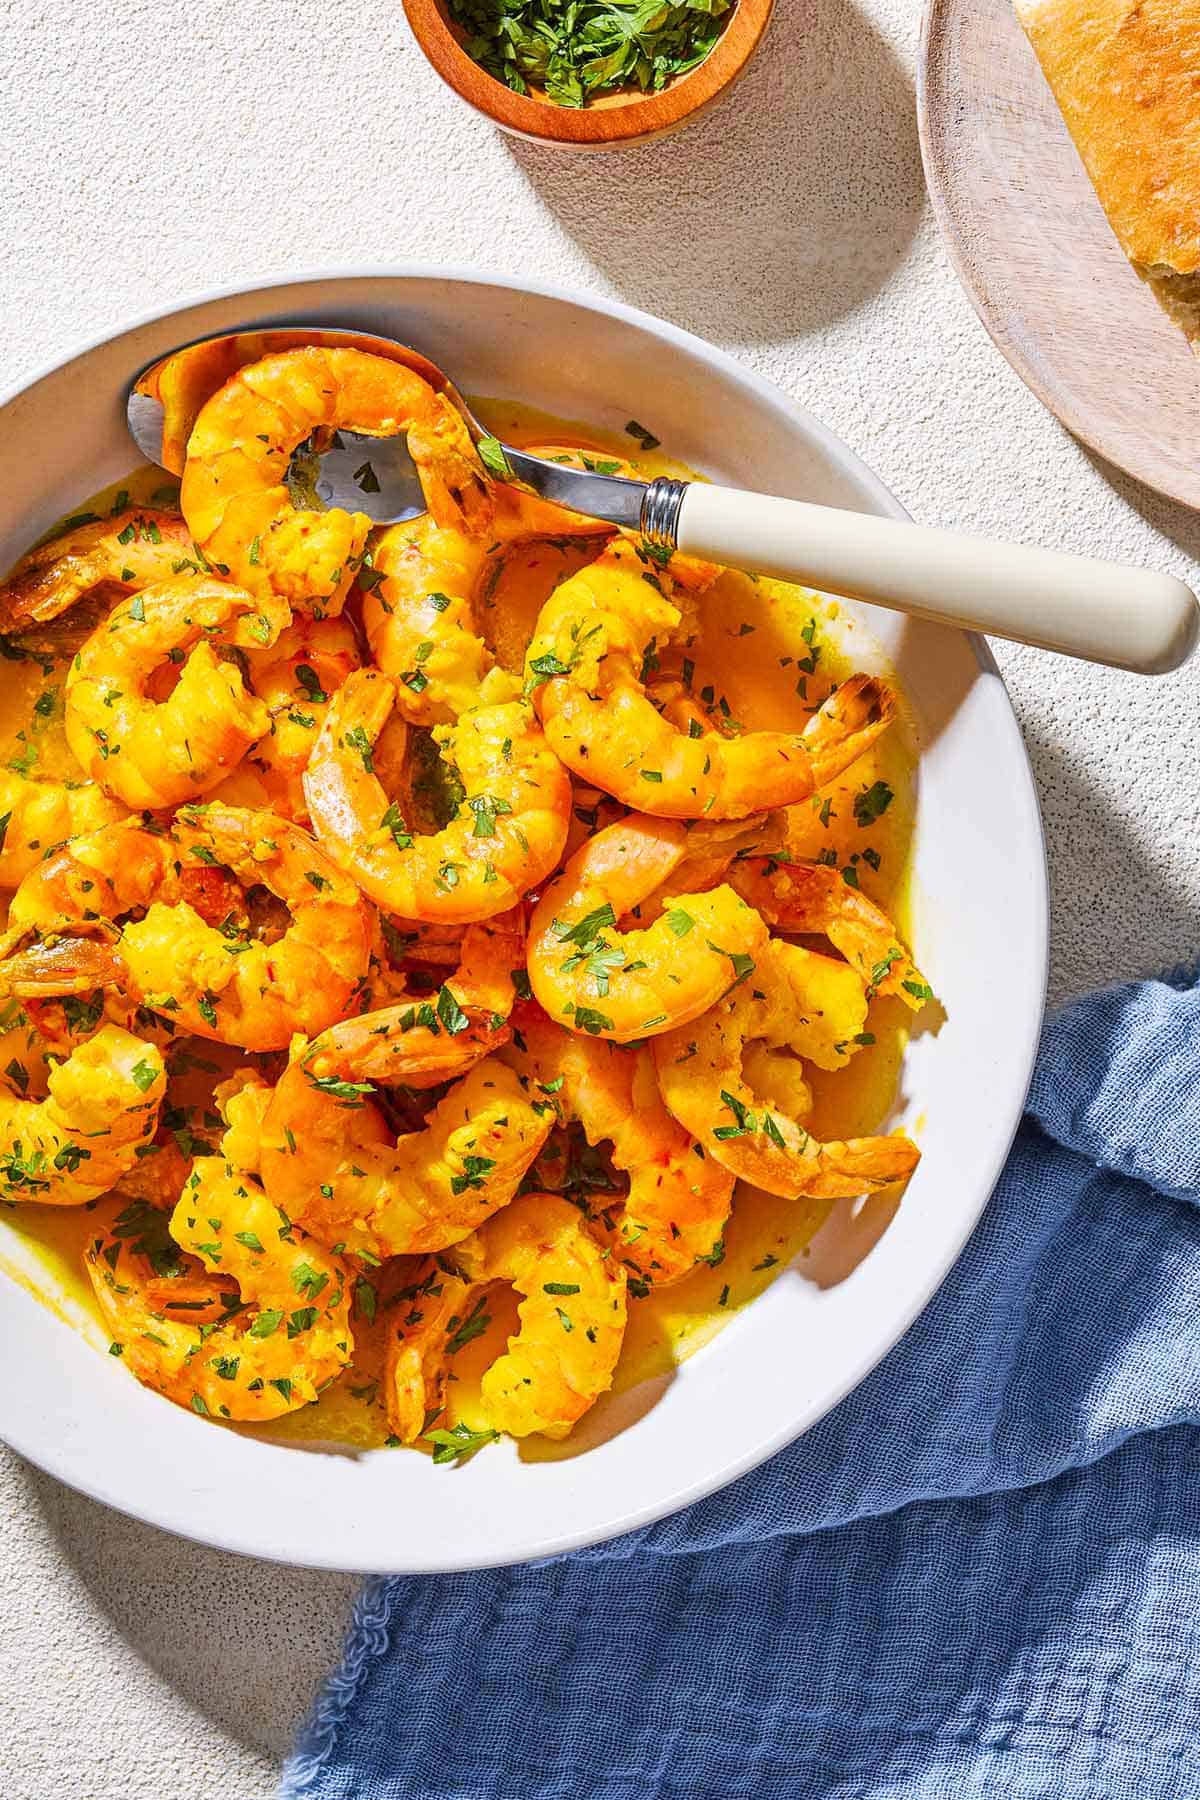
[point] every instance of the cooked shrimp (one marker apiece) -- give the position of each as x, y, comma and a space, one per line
679, 1198
813, 1006
424, 584
294, 679
102, 1109
157, 754
242, 1100
83, 886
589, 975
488, 960
129, 550
254, 1319
235, 988
234, 493
812, 899
418, 614
219, 982
572, 1314
36, 814
421, 1041
505, 837
329, 1159
584, 673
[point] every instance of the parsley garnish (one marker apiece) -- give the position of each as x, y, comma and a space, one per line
872, 803
645, 438
491, 450
450, 1446
487, 808
473, 1326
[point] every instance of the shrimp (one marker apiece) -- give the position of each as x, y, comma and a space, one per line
226, 985
418, 615
37, 813
488, 959
679, 1198
150, 754
588, 974
813, 1006
130, 550
812, 899
330, 1160
423, 1041
250, 1322
505, 837
78, 891
422, 588
584, 672
235, 495
220, 982
100, 1113
294, 679
572, 1314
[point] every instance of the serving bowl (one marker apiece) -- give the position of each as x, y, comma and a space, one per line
980, 932
612, 121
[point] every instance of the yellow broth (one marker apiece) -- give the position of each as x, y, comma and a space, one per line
769, 650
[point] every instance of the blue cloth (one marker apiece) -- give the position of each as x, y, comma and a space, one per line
978, 1577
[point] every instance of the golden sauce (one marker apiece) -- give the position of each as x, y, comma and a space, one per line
769, 650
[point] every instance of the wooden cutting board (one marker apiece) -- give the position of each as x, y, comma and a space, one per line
1034, 251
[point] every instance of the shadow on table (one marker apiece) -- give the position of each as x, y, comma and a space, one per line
780, 211
246, 1643
1180, 523
1127, 921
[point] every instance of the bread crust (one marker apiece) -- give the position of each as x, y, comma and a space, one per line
1126, 75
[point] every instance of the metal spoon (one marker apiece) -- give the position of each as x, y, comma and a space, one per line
1104, 612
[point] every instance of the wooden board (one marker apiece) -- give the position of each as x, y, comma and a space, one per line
1034, 251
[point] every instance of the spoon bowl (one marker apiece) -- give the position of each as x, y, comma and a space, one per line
361, 473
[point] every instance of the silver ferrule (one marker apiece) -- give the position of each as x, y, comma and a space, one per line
660, 512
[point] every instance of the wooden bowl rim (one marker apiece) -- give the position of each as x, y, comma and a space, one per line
639, 116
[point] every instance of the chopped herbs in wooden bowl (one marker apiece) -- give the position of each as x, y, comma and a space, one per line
589, 74
577, 51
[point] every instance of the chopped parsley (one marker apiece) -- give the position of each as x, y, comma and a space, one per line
872, 803
451, 1446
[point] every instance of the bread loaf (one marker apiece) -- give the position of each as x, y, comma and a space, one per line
1126, 76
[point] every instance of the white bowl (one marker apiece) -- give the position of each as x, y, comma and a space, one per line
981, 931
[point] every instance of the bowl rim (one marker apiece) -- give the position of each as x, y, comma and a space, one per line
62, 1457
617, 123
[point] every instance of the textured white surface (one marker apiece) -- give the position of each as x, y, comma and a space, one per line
155, 150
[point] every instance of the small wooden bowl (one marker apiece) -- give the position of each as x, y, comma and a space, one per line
613, 120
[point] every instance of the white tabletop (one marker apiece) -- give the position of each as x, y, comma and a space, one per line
157, 149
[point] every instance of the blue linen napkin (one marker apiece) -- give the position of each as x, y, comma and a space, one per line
978, 1577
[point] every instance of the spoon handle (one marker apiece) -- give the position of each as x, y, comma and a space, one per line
1105, 612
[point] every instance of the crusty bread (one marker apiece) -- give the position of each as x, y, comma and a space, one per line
1126, 75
